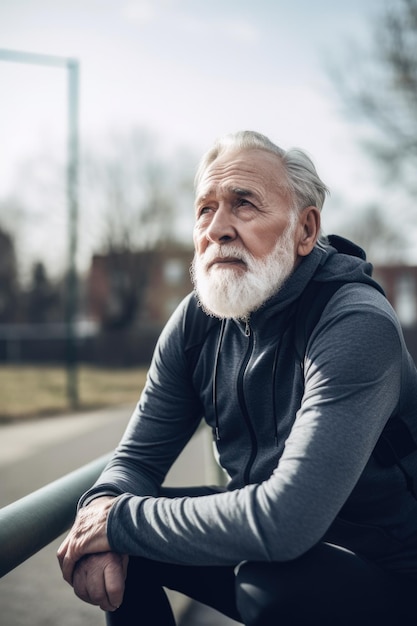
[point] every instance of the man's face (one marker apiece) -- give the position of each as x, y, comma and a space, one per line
245, 233
242, 198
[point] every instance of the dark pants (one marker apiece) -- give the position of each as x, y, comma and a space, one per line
325, 586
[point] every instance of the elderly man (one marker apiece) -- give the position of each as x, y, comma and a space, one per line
318, 522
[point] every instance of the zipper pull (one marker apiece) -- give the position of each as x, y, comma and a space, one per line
247, 328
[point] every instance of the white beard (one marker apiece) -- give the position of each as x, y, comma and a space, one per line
224, 292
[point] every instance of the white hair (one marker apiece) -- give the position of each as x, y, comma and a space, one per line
304, 183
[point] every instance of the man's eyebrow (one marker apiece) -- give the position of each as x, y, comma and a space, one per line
205, 193
202, 197
241, 192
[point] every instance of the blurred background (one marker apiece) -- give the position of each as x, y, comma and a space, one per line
105, 110
106, 107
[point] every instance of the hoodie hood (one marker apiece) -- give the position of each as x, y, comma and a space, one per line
338, 260
345, 261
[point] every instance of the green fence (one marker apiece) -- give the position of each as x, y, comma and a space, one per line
31, 523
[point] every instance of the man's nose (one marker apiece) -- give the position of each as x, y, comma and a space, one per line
222, 227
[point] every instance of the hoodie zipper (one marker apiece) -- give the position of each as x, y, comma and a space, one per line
243, 407
247, 327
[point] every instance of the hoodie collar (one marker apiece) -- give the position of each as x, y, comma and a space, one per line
294, 285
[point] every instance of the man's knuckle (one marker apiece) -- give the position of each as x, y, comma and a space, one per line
96, 597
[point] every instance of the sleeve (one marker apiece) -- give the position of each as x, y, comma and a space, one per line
352, 382
165, 418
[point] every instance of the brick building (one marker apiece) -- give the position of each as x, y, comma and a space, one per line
400, 285
140, 288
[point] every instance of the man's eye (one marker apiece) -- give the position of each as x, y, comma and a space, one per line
204, 210
244, 202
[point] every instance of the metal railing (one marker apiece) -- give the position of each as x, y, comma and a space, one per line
34, 521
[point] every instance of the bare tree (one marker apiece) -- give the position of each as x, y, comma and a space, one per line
9, 290
135, 198
380, 89
383, 241
43, 298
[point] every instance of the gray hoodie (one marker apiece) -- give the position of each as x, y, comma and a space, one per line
295, 438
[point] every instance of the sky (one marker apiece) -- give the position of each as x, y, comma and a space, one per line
188, 71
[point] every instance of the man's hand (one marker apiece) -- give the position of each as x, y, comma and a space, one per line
100, 579
87, 536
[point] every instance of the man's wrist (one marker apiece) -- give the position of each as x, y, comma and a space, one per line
91, 496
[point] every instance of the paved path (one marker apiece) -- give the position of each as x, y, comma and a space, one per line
35, 453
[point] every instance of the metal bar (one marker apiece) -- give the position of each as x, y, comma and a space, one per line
31, 523
29, 57
72, 192
72, 67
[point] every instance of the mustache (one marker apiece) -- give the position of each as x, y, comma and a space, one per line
223, 252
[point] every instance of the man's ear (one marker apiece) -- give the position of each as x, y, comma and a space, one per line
309, 223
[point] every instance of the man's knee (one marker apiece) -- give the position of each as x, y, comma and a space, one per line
259, 598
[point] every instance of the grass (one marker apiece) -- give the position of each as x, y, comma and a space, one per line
31, 391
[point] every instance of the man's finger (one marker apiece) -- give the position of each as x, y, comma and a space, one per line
89, 580
62, 551
114, 580
66, 561
80, 583
67, 566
